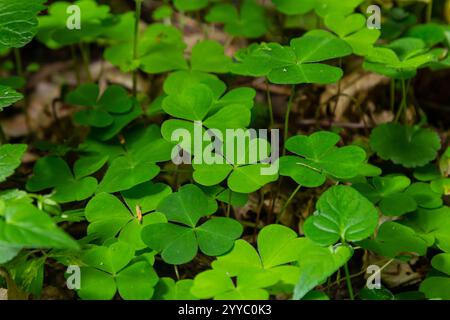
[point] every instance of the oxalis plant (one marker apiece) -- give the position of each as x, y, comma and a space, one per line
194, 178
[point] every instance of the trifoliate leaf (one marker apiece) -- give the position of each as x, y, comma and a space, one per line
299, 63
353, 30
179, 242
433, 225
114, 100
389, 193
394, 239
168, 289
109, 217
249, 22
108, 270
320, 158
53, 172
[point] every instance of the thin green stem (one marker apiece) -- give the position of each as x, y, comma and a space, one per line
429, 10
3, 139
269, 103
136, 43
402, 109
19, 65
75, 64
86, 60
288, 113
177, 273
349, 282
229, 203
286, 205
392, 94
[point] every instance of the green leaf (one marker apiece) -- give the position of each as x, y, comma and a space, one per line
299, 63
353, 30
179, 243
408, 146
320, 158
249, 22
277, 247
137, 281
190, 5
430, 33
108, 269
317, 264
18, 22
218, 285
244, 172
53, 172
109, 217
100, 108
424, 196
53, 31
389, 193
294, 7
136, 165
401, 59
208, 56
394, 239
8, 97
342, 214
160, 49
325, 7
168, 289
437, 287
10, 159
23, 225
433, 225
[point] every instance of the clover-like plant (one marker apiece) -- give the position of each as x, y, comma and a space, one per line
108, 269
54, 172
396, 240
301, 62
249, 21
389, 194
401, 58
353, 30
436, 286
136, 163
99, 108
53, 30
433, 225
108, 217
322, 8
160, 49
318, 158
179, 239
244, 170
